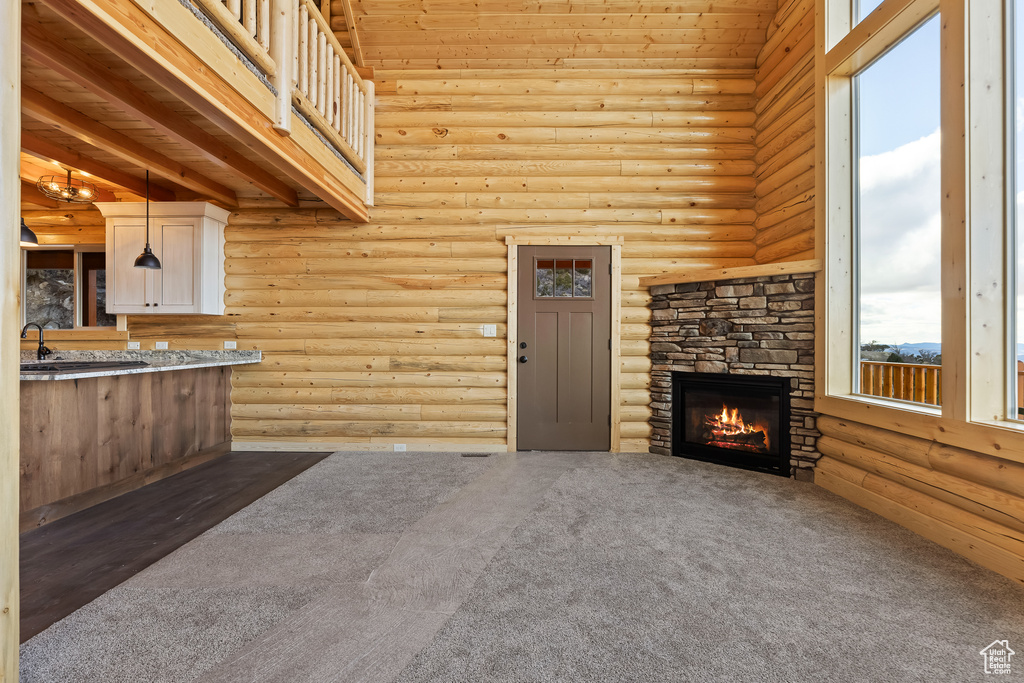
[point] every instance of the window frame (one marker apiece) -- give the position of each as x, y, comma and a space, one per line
976, 278
77, 250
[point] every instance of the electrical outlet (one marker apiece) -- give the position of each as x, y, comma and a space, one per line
399, 446
161, 345
490, 330
134, 345
230, 345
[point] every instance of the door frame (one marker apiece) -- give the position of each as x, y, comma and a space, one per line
513, 244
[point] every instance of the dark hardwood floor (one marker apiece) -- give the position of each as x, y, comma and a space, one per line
74, 560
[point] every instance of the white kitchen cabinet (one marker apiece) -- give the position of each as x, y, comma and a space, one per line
187, 237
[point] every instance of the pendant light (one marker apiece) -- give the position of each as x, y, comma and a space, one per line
147, 259
71, 190
27, 236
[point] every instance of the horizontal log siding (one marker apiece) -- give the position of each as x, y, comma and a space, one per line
968, 502
372, 333
785, 136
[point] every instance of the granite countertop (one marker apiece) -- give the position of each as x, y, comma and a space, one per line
158, 361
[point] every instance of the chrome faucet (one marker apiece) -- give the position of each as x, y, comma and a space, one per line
42, 352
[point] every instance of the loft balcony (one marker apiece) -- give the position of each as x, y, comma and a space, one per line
237, 102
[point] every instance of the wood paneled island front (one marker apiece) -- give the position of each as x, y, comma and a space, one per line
89, 436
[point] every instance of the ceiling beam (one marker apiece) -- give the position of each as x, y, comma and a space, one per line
79, 67
45, 149
48, 110
30, 194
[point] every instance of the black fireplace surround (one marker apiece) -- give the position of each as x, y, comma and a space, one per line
737, 420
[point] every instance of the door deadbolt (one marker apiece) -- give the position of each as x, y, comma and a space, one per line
522, 345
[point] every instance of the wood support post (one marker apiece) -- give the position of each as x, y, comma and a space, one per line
10, 272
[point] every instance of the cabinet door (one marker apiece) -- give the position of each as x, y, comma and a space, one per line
176, 287
127, 290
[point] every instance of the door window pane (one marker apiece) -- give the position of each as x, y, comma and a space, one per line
564, 278
545, 278
898, 266
582, 281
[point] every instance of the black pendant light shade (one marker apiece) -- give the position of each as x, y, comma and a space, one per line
27, 236
147, 259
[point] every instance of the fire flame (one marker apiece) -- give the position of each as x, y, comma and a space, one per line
729, 424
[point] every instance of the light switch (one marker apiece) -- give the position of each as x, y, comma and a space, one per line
134, 345
230, 345
161, 345
399, 446
490, 330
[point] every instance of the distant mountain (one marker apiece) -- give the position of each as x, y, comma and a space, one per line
912, 349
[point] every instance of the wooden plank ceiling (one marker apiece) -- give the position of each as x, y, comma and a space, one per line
591, 34
86, 110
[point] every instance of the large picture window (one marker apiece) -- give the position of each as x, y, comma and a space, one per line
898, 221
921, 190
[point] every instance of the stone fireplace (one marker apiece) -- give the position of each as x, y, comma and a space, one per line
711, 335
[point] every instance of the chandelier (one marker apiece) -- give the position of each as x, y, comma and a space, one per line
69, 190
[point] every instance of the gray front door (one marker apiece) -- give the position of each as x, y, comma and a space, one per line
564, 348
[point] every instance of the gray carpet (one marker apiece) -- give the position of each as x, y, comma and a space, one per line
542, 567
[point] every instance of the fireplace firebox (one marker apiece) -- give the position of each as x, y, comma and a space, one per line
736, 420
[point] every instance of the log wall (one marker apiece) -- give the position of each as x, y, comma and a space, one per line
785, 136
372, 334
968, 502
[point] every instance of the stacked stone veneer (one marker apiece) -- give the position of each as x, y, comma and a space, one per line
745, 326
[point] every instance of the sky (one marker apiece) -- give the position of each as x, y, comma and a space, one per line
899, 138
900, 297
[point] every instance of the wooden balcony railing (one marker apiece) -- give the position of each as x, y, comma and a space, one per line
293, 45
1020, 390
918, 383
904, 381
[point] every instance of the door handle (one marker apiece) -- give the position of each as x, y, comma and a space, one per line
523, 359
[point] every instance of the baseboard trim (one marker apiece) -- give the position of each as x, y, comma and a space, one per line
331, 446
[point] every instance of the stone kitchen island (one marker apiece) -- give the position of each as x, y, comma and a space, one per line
88, 435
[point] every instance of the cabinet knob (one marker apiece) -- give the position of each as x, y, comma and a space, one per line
156, 304
147, 304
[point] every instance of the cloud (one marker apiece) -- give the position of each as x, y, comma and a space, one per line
900, 243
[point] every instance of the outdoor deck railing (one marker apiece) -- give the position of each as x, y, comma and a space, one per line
914, 382
905, 381
293, 45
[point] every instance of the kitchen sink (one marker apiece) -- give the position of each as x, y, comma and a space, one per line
56, 366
